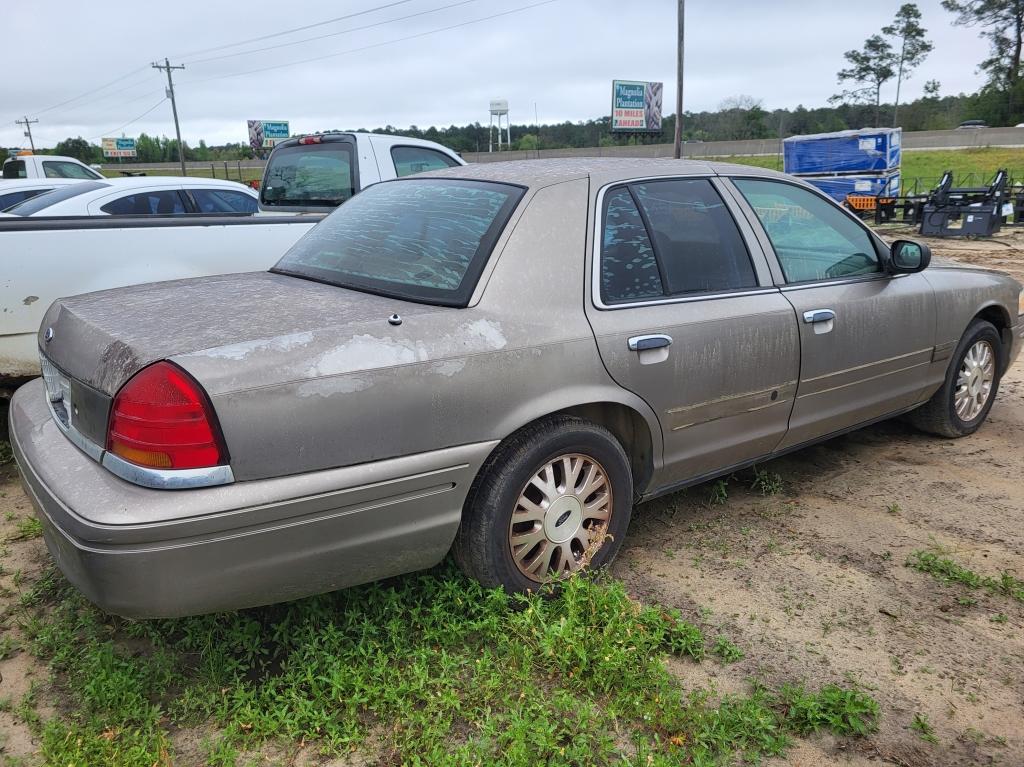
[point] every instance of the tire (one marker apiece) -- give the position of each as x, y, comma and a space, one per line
939, 415
510, 481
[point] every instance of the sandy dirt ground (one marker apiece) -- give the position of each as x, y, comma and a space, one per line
811, 582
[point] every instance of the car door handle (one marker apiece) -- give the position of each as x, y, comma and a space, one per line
642, 343
819, 315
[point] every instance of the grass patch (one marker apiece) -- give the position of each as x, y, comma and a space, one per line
6, 452
766, 482
946, 570
439, 670
726, 650
27, 529
719, 493
924, 729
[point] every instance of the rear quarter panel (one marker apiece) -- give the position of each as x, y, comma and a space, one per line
960, 295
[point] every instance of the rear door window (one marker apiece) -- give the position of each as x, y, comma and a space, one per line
629, 270
159, 202
667, 238
310, 175
64, 169
223, 201
418, 159
695, 237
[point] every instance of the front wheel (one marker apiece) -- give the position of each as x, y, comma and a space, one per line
960, 407
553, 499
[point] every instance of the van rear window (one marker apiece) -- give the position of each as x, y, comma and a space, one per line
14, 169
309, 175
424, 240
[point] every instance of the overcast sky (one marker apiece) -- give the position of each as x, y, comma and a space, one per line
560, 55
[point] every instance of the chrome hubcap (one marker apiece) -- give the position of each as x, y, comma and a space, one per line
560, 518
975, 380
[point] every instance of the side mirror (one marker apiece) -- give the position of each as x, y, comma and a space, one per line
909, 256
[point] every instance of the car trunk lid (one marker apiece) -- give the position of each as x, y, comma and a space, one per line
102, 339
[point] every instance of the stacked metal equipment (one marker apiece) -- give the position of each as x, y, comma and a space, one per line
964, 211
850, 162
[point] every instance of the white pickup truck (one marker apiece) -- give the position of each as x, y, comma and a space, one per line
47, 166
42, 258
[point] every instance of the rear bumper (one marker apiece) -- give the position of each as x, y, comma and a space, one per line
140, 552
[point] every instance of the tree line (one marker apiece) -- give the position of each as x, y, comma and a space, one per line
887, 59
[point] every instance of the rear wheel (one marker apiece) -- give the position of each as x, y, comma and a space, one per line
960, 407
553, 499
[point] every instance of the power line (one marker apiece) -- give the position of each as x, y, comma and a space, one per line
369, 47
331, 34
89, 92
119, 128
290, 31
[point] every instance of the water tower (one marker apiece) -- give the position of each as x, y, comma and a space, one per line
499, 109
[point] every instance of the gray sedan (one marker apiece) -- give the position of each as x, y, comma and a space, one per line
495, 360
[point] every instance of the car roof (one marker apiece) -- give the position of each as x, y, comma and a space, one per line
132, 182
601, 170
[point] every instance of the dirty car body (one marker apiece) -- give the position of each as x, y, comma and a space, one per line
701, 316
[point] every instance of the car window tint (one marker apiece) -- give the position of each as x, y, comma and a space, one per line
812, 238
158, 202
310, 174
15, 169
63, 169
695, 237
424, 239
13, 198
629, 270
417, 159
223, 201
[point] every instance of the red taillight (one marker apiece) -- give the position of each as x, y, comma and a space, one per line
162, 419
311, 140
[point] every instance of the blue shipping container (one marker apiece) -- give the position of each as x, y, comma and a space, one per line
837, 187
851, 151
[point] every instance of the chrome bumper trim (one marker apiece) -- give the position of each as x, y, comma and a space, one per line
167, 479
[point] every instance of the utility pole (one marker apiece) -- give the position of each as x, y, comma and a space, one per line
174, 108
678, 143
28, 130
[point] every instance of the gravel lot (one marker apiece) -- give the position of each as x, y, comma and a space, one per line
810, 581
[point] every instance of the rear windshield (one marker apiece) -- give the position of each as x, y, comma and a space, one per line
14, 169
44, 201
423, 240
309, 174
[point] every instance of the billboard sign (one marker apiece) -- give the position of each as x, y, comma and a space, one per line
263, 134
119, 147
636, 106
